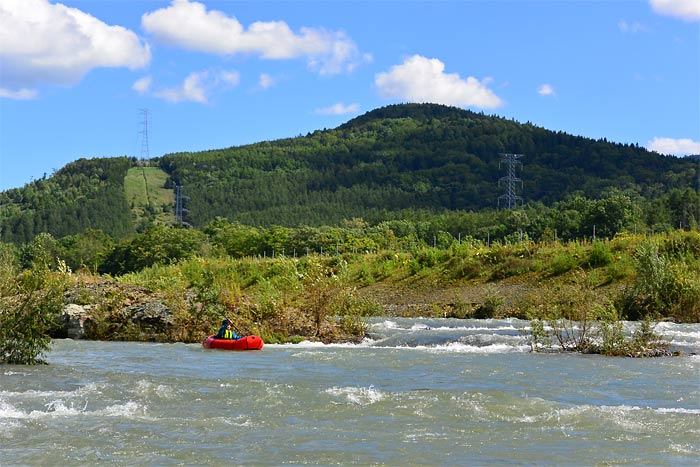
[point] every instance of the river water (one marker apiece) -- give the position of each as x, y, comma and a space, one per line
424, 392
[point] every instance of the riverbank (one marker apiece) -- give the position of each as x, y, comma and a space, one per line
328, 298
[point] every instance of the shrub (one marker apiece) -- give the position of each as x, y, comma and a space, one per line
599, 255
429, 257
562, 263
492, 306
662, 287
512, 267
462, 267
26, 318
619, 269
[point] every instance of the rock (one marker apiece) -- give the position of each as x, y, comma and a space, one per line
73, 319
153, 315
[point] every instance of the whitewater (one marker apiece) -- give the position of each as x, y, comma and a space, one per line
416, 392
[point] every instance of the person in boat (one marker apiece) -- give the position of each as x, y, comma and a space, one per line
225, 331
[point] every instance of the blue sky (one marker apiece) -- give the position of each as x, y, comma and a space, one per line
75, 75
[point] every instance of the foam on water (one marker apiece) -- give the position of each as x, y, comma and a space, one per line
314, 345
8, 411
148, 389
59, 408
357, 395
424, 327
82, 391
459, 347
678, 411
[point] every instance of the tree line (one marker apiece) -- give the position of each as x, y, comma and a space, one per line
577, 218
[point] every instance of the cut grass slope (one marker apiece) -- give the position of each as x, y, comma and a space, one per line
147, 195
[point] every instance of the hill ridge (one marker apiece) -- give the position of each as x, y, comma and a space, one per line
394, 159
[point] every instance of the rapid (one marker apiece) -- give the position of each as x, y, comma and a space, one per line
423, 392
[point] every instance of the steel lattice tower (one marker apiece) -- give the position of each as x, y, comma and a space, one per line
510, 197
145, 151
178, 204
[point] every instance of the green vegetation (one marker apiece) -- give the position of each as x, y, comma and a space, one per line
328, 297
85, 194
399, 162
147, 196
393, 212
30, 303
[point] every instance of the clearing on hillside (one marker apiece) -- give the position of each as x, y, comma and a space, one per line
148, 197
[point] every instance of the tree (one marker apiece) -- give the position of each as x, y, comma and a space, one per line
158, 245
29, 310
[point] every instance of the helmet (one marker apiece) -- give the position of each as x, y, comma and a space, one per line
225, 322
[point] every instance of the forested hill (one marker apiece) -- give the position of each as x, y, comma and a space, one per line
412, 156
83, 194
399, 158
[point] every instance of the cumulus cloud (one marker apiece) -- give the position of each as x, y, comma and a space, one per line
546, 90
42, 42
191, 26
688, 10
338, 109
421, 79
198, 86
678, 147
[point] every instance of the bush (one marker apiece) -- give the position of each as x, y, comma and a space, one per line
492, 306
462, 267
562, 263
662, 287
512, 267
600, 255
27, 318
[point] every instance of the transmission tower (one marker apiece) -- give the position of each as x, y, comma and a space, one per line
180, 209
178, 204
510, 198
145, 151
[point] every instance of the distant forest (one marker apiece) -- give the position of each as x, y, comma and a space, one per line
415, 162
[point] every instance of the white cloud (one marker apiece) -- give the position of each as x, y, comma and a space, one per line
266, 81
420, 79
688, 10
198, 86
189, 25
42, 42
338, 109
546, 90
20, 94
227, 77
142, 85
678, 147
633, 28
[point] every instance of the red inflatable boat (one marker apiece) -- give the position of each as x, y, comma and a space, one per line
244, 343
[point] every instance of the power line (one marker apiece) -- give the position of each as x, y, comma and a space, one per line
510, 198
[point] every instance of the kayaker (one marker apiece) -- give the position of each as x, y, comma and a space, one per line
225, 331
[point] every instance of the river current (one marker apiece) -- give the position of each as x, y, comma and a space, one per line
418, 392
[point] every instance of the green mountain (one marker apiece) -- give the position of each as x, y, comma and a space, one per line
393, 160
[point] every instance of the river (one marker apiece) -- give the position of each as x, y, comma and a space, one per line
423, 392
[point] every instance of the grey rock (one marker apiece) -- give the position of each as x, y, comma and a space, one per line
73, 319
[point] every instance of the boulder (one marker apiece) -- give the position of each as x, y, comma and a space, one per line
153, 315
73, 319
